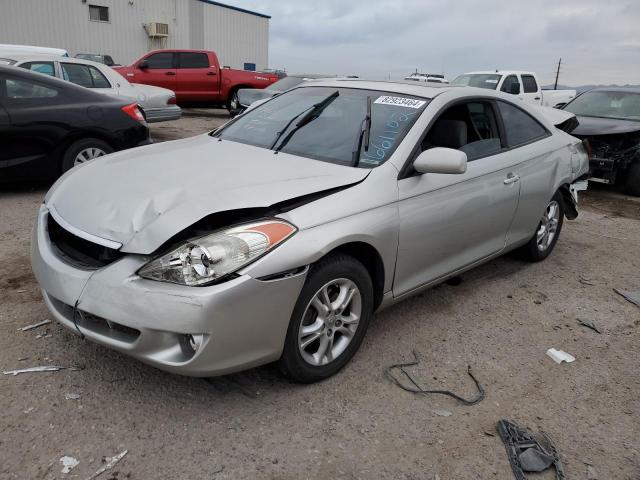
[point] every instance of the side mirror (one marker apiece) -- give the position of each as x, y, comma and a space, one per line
143, 65
514, 89
441, 160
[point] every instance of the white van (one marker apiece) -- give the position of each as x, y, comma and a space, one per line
22, 49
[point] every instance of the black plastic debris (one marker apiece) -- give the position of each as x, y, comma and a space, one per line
529, 452
417, 389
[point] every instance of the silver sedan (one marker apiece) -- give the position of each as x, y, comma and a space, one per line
277, 237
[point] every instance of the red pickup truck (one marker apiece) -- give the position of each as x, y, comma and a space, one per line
195, 76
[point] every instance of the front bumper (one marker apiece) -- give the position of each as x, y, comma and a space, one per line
164, 114
242, 322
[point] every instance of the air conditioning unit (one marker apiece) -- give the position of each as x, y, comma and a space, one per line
155, 30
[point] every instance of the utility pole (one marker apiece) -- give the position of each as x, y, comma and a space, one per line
555, 87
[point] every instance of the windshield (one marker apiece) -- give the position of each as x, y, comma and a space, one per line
333, 131
285, 84
89, 56
480, 80
623, 105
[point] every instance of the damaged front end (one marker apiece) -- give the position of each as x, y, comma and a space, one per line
611, 156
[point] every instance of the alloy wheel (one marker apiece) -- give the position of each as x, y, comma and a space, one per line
330, 322
548, 226
88, 154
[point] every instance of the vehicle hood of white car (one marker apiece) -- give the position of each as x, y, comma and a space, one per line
141, 198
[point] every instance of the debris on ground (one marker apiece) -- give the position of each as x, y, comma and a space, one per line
72, 396
442, 413
417, 389
633, 297
35, 325
529, 452
592, 474
109, 465
68, 463
45, 368
559, 356
588, 324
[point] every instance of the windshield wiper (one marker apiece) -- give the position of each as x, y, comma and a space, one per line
315, 111
363, 138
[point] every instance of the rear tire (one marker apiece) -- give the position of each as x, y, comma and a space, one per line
233, 104
84, 150
324, 335
547, 233
632, 181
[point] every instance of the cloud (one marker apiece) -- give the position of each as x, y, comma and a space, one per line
597, 40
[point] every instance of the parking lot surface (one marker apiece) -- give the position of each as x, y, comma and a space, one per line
500, 319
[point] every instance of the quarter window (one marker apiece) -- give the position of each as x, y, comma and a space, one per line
45, 68
84, 75
98, 13
160, 60
23, 89
193, 60
529, 84
519, 126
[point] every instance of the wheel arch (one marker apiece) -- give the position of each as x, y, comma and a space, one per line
76, 136
369, 256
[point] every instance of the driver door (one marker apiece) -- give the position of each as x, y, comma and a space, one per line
449, 222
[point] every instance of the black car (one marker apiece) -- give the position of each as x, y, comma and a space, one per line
610, 120
47, 125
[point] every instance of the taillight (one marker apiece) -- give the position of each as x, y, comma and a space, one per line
134, 112
171, 101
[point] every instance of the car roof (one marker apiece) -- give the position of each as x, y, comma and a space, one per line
35, 57
423, 89
79, 93
499, 72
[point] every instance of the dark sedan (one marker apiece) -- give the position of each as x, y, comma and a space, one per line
610, 120
48, 126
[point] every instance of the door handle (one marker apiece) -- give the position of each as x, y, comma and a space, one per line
211, 73
170, 73
511, 178
537, 98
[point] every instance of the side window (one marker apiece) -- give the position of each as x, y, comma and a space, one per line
26, 90
529, 84
108, 60
99, 80
511, 85
519, 126
45, 68
469, 127
160, 60
84, 75
193, 60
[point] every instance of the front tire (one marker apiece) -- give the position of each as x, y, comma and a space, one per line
329, 320
546, 236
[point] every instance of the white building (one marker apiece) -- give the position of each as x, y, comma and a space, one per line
126, 29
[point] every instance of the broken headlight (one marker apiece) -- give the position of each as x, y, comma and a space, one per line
206, 259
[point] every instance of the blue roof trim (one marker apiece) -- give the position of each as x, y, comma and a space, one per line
237, 9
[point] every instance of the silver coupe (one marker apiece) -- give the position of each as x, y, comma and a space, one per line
277, 236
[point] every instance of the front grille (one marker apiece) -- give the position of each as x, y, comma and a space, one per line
79, 251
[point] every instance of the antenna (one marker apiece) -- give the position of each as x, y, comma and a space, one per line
555, 87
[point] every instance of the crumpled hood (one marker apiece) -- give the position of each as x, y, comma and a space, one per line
142, 197
604, 126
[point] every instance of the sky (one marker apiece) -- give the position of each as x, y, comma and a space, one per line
598, 40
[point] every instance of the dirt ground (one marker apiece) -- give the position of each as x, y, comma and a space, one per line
357, 425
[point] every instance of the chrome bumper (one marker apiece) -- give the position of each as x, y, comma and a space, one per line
242, 322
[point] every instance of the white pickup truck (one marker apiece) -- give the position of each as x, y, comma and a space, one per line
523, 84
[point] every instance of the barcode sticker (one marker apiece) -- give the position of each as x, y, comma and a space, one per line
400, 101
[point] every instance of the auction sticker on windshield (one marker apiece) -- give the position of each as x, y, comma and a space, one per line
400, 101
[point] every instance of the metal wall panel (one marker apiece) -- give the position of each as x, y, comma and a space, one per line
237, 37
